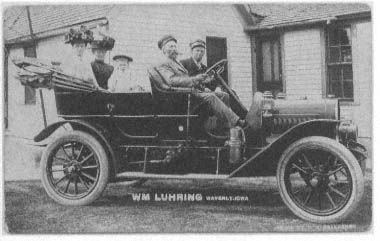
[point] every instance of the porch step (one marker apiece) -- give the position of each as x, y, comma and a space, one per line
142, 175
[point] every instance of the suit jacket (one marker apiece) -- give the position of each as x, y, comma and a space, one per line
174, 73
192, 67
194, 70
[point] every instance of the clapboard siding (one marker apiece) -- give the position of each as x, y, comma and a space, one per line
304, 74
137, 29
360, 110
23, 120
362, 71
302, 64
26, 120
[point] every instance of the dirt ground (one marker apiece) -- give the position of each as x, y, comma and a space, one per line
30, 211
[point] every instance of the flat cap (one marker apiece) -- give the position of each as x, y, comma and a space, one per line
198, 43
165, 39
122, 56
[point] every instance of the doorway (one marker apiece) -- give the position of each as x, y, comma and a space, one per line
216, 48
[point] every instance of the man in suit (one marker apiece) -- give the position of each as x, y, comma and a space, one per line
194, 66
176, 75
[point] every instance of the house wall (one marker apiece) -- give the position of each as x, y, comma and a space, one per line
362, 71
27, 120
137, 29
303, 64
305, 71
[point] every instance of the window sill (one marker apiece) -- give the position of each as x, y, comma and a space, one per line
348, 103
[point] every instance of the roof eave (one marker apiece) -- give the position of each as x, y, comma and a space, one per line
51, 32
362, 15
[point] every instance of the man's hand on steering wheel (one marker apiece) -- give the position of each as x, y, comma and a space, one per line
199, 79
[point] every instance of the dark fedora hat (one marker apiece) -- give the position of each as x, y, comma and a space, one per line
165, 39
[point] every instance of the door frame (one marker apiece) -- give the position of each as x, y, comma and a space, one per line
226, 51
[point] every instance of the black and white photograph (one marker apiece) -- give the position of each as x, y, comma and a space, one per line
173, 118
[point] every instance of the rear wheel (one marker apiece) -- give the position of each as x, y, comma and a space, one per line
75, 169
320, 180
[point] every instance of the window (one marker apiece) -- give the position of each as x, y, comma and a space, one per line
269, 63
30, 93
216, 48
339, 63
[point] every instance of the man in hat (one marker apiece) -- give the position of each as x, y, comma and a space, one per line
121, 80
102, 71
195, 66
176, 75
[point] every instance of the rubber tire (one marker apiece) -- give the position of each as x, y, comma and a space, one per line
346, 156
99, 151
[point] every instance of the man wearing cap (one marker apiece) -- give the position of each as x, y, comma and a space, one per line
176, 75
102, 71
121, 80
195, 66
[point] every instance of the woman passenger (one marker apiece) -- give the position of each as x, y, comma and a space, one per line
101, 70
77, 66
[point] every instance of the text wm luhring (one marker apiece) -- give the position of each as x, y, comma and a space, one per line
185, 197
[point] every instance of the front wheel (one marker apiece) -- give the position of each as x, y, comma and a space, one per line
320, 180
75, 169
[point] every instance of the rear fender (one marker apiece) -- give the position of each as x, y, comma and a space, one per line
264, 162
95, 130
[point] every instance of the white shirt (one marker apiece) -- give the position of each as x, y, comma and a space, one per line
121, 82
80, 69
199, 64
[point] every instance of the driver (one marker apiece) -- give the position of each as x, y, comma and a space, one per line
175, 74
194, 66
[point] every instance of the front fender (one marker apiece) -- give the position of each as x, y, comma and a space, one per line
85, 126
264, 162
45, 133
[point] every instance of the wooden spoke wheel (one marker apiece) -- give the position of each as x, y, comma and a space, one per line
320, 180
75, 169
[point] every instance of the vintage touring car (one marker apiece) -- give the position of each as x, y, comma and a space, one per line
164, 134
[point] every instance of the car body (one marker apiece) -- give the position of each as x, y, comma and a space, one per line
165, 134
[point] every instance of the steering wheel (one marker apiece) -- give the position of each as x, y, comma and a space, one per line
217, 68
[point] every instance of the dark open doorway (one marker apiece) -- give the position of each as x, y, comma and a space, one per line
217, 50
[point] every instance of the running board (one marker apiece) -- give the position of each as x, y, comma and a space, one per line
142, 175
